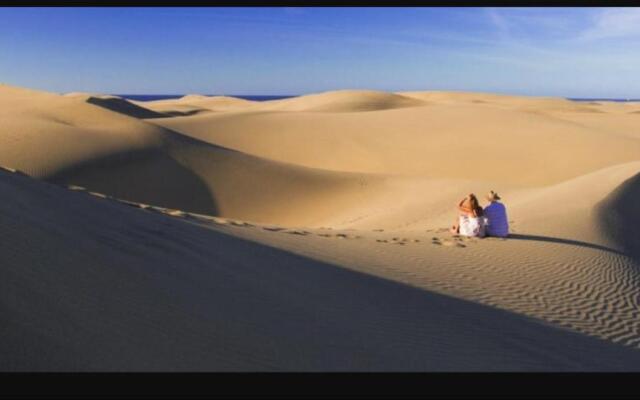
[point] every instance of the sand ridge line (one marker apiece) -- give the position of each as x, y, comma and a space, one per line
456, 241
416, 140
211, 219
226, 221
171, 212
12, 170
214, 219
562, 272
151, 292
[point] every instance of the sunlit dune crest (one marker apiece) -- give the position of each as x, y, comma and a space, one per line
312, 233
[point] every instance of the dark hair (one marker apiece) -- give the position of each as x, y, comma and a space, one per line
475, 206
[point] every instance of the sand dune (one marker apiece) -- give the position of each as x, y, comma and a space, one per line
70, 141
559, 265
142, 291
444, 139
194, 104
340, 101
44, 133
554, 104
312, 233
343, 101
174, 109
123, 106
618, 214
117, 104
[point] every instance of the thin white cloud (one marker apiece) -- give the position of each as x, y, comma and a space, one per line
614, 23
534, 23
499, 23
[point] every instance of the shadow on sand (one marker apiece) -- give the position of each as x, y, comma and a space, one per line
570, 242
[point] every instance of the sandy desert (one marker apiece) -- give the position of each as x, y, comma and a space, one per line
212, 233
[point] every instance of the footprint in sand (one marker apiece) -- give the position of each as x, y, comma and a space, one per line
14, 171
450, 243
220, 221
382, 241
201, 218
347, 236
241, 224
128, 203
176, 213
134, 204
298, 232
273, 228
378, 230
325, 235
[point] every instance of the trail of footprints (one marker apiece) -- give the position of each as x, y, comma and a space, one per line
455, 241
572, 302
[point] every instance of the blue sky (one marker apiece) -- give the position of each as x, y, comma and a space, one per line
574, 52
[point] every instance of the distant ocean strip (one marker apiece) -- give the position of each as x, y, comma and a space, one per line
152, 97
597, 99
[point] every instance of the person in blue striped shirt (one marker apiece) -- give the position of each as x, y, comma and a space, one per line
495, 213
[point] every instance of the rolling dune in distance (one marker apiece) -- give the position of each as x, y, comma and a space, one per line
311, 233
72, 141
523, 142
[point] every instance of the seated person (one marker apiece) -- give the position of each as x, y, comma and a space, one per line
470, 219
496, 215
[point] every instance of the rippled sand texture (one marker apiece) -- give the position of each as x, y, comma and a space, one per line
213, 233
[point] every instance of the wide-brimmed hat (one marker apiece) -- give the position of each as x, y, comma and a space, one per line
492, 196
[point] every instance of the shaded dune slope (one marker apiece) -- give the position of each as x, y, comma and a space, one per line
194, 104
562, 266
117, 104
619, 216
140, 291
557, 266
67, 140
124, 107
189, 295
